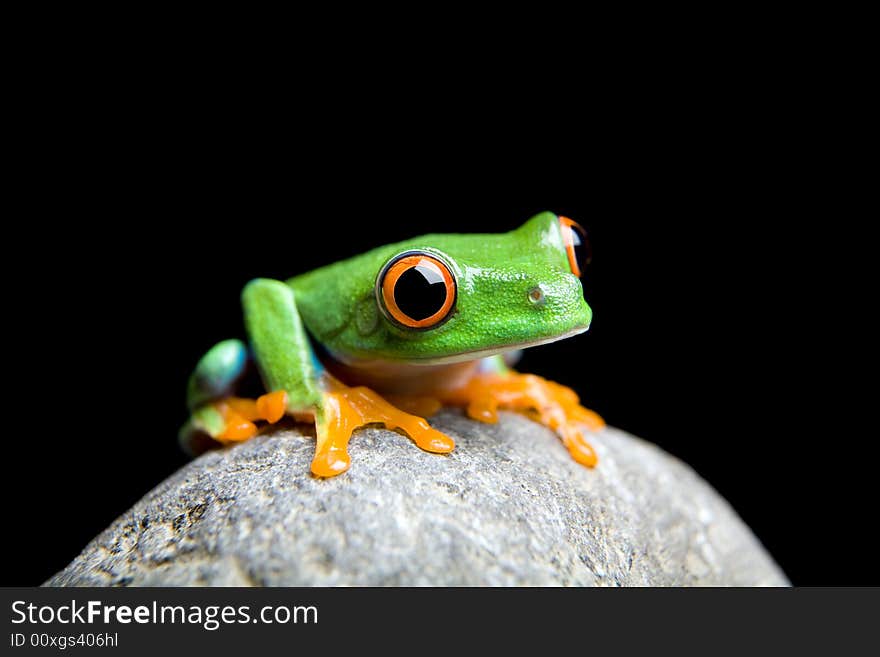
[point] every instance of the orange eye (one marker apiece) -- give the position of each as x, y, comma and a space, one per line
577, 246
416, 290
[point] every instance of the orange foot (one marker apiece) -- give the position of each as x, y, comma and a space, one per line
345, 409
240, 414
549, 403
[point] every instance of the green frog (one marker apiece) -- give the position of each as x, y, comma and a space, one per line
390, 336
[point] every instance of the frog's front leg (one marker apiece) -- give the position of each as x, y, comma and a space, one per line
289, 368
496, 386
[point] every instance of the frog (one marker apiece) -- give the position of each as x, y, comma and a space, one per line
391, 336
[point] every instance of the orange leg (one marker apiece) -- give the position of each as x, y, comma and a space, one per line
345, 409
553, 405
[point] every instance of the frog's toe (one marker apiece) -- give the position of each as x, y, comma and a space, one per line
238, 429
580, 450
431, 440
272, 406
483, 408
330, 462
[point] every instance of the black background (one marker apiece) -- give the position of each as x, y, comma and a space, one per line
718, 331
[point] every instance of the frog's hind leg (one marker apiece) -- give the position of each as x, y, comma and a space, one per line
216, 415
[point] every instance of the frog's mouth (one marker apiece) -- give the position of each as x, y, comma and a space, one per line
460, 357
479, 354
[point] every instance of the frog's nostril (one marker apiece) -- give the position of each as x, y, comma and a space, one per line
536, 296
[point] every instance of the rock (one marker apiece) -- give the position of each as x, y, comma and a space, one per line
507, 507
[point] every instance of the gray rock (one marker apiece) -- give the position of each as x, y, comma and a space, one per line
508, 507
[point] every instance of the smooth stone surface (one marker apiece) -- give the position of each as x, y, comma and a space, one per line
507, 507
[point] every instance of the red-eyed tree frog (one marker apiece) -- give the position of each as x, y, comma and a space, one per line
390, 336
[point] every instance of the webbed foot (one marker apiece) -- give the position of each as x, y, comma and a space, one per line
553, 405
239, 415
345, 409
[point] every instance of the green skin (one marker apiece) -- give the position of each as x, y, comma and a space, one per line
338, 307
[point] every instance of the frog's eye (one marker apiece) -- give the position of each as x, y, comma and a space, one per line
416, 290
577, 246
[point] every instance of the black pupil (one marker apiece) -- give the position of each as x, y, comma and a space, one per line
420, 291
581, 246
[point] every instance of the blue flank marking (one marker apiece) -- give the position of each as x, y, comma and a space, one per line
319, 367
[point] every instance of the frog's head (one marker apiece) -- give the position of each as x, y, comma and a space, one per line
448, 298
